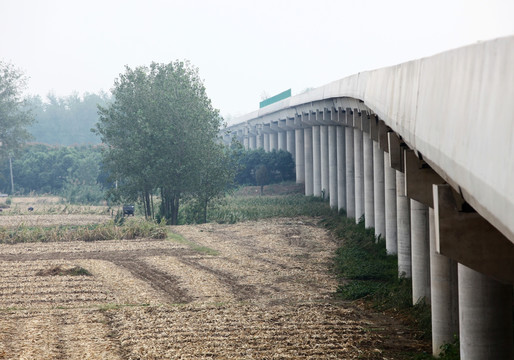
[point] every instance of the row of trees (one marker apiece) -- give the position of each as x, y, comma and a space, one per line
72, 172
66, 120
160, 136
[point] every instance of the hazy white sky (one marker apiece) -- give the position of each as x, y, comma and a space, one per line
242, 48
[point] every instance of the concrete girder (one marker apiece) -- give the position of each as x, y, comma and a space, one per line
357, 119
383, 138
348, 119
396, 147
419, 178
365, 124
460, 235
373, 125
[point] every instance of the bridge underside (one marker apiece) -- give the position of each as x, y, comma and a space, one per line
423, 151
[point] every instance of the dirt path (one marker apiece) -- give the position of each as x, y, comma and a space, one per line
256, 290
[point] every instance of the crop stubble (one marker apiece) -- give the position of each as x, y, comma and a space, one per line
266, 294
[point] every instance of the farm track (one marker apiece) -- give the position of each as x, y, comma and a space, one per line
266, 294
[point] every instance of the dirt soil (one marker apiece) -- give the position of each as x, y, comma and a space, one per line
254, 290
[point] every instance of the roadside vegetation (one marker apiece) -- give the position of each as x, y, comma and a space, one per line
112, 230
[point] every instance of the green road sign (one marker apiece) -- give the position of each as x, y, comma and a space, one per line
283, 95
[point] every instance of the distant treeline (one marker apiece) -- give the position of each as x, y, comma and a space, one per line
66, 120
70, 171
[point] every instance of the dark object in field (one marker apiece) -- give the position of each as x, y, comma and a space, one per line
31, 208
128, 210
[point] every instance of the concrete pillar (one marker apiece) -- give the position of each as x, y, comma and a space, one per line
332, 166
350, 174
266, 142
259, 141
290, 143
309, 176
341, 167
369, 194
299, 156
253, 142
282, 140
444, 294
359, 174
420, 247
273, 141
246, 142
485, 317
324, 161
316, 160
390, 206
379, 189
403, 226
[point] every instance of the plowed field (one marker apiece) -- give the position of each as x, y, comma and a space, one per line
255, 290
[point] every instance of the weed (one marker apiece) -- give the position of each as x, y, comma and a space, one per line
198, 248
131, 229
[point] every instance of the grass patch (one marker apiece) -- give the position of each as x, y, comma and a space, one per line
370, 273
234, 209
131, 229
177, 238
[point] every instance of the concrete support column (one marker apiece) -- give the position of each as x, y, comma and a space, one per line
369, 194
485, 317
350, 174
324, 161
290, 143
273, 141
309, 180
359, 173
444, 294
299, 156
332, 166
379, 189
259, 141
282, 140
390, 206
403, 227
246, 142
341, 167
266, 142
253, 142
420, 246
316, 160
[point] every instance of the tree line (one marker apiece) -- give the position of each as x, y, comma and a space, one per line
65, 120
73, 172
160, 145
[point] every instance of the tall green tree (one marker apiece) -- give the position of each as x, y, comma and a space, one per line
159, 128
15, 115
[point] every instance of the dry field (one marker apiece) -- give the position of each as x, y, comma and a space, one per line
255, 290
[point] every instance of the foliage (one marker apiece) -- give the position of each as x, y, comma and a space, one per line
159, 129
15, 115
262, 176
280, 165
72, 172
243, 208
66, 120
216, 173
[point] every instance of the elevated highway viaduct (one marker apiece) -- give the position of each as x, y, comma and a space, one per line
425, 152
